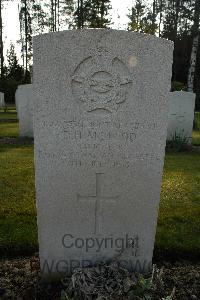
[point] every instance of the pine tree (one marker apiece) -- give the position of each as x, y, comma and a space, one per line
142, 19
93, 14
26, 33
14, 70
98, 14
38, 18
1, 41
136, 17
66, 11
2, 67
33, 20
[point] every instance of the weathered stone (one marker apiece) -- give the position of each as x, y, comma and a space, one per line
24, 104
100, 132
181, 115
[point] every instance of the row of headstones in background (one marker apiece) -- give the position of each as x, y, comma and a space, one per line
2, 101
180, 113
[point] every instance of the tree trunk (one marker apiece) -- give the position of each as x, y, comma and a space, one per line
52, 15
55, 15
196, 70
161, 15
26, 36
177, 5
81, 14
191, 73
193, 58
154, 13
58, 5
1, 42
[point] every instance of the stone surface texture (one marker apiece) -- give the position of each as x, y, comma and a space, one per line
100, 131
181, 115
24, 104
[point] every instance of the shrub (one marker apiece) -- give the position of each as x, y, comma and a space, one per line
178, 86
178, 142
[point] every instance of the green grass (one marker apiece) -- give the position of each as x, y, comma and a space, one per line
179, 217
196, 132
197, 119
9, 108
18, 231
9, 129
196, 137
8, 115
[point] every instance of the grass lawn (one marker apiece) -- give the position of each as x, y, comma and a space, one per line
9, 129
197, 119
179, 217
196, 132
9, 108
196, 137
18, 230
8, 115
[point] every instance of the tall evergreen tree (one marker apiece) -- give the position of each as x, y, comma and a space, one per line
141, 19
14, 70
33, 20
39, 18
60, 13
26, 32
2, 67
98, 14
1, 41
66, 11
93, 14
136, 16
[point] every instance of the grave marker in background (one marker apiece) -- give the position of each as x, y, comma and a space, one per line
181, 115
2, 101
24, 104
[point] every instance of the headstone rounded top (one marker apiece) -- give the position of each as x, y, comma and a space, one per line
97, 31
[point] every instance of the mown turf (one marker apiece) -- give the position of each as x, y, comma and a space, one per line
8, 108
9, 129
196, 131
18, 231
8, 115
197, 119
179, 217
196, 137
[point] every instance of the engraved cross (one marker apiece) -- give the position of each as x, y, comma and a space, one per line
98, 199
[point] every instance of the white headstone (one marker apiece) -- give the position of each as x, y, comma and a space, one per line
2, 101
100, 130
24, 104
181, 115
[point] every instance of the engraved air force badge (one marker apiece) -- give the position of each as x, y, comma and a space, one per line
101, 84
